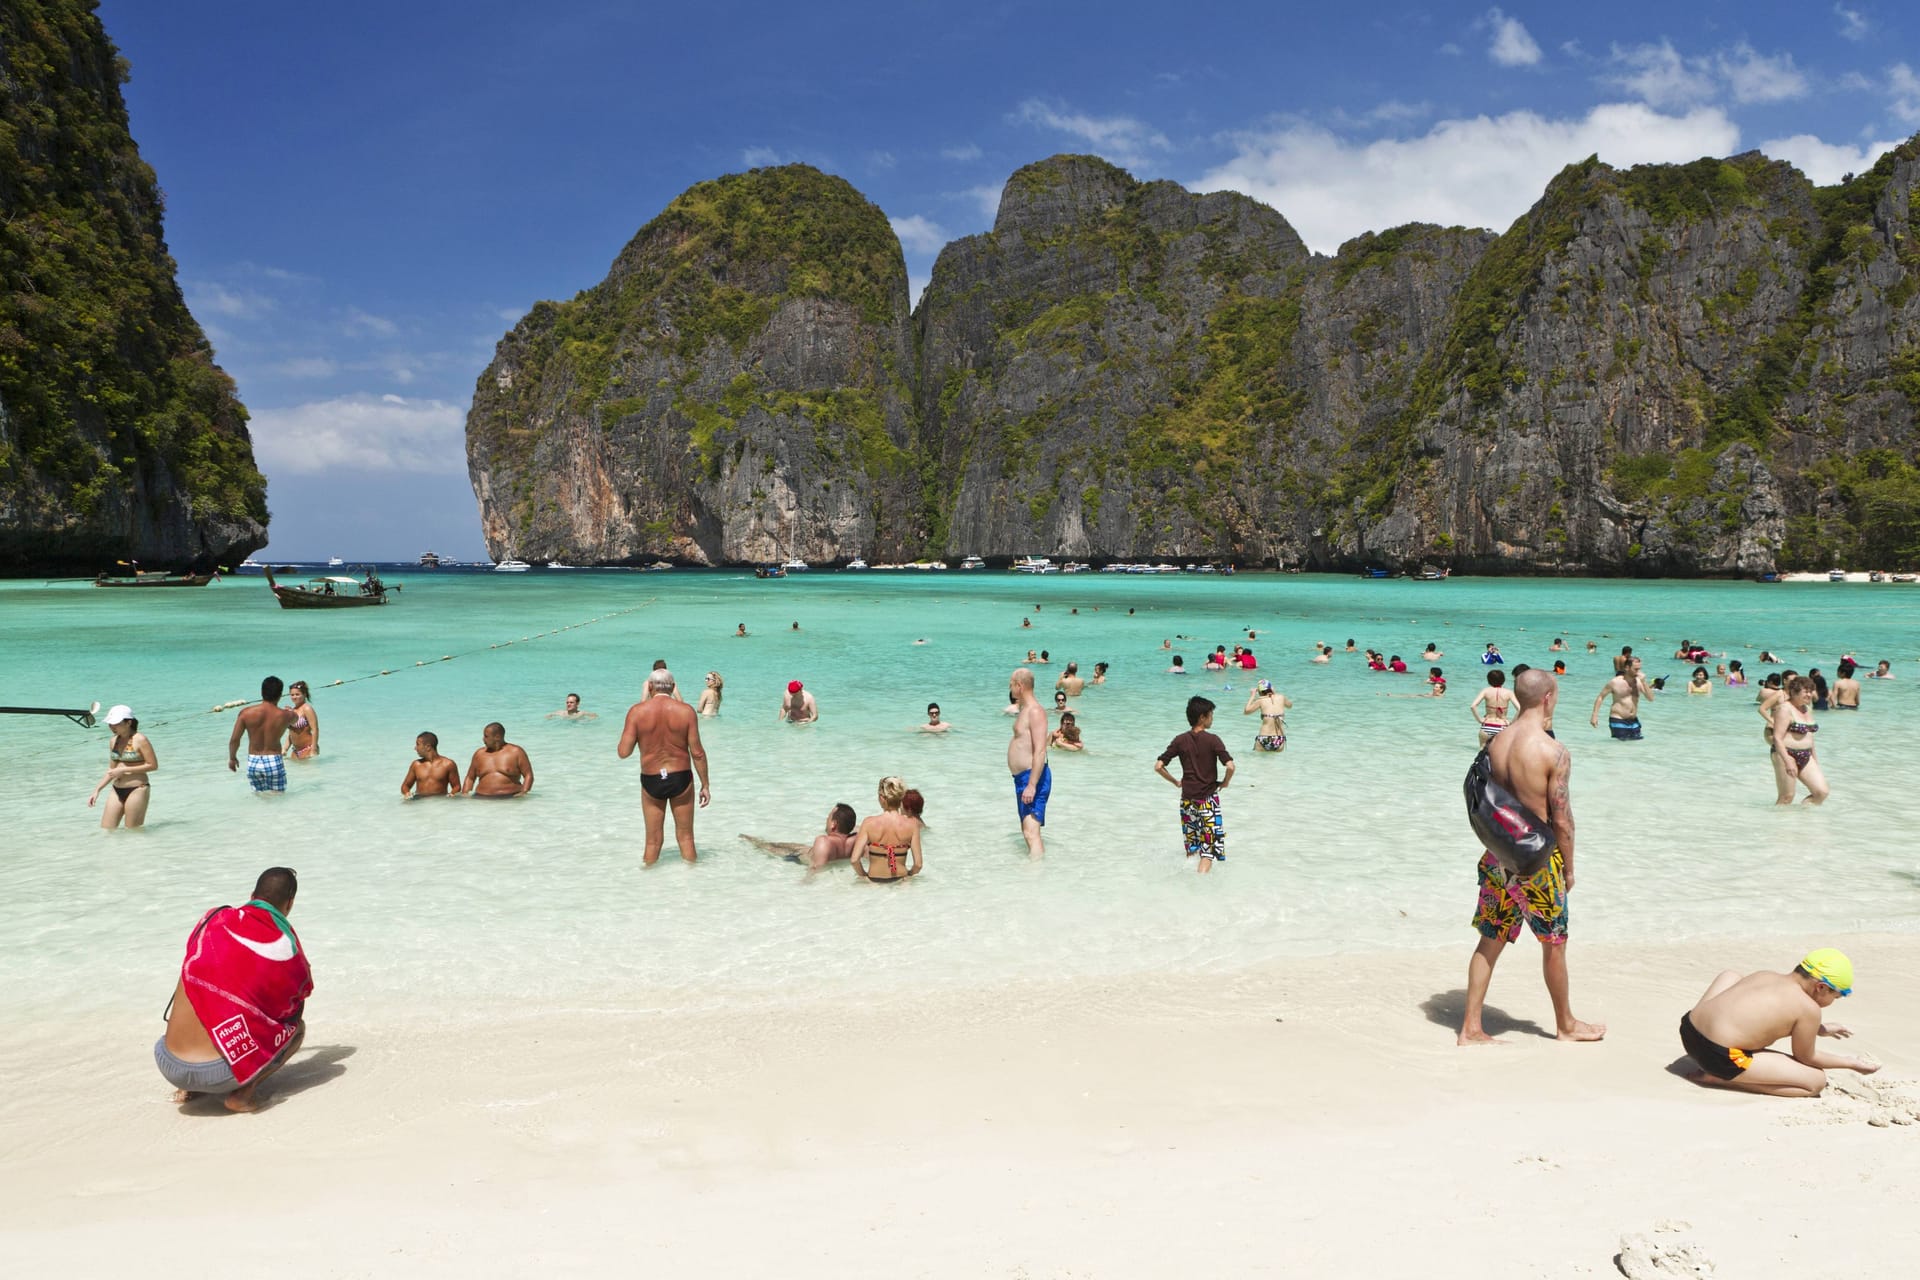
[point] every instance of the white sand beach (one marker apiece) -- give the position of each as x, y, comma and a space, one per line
1316, 1120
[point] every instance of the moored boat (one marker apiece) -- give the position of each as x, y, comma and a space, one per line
510, 565
428, 560
973, 562
796, 565
1836, 575
332, 591
770, 571
857, 564
154, 578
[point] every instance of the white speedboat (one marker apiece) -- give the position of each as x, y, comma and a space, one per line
796, 565
973, 562
251, 563
510, 565
334, 562
555, 564
856, 564
1836, 575
1035, 564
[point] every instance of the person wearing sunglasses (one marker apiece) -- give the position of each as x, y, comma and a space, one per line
1760, 1008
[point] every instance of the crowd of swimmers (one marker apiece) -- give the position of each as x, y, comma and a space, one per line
1725, 1035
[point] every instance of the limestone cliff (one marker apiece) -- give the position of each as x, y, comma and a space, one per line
1695, 369
119, 436
735, 390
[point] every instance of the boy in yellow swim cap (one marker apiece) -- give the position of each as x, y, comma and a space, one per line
1728, 1031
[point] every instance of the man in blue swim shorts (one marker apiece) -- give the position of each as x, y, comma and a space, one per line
265, 724
1027, 760
1625, 690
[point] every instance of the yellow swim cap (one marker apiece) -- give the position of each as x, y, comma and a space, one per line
1831, 967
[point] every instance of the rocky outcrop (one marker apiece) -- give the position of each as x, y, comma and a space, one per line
120, 439
1695, 369
737, 389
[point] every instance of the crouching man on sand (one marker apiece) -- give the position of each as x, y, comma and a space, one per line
1728, 1032
235, 1017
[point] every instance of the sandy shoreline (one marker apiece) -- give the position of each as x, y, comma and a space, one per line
1303, 1121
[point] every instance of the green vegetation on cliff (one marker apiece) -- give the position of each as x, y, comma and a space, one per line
103, 372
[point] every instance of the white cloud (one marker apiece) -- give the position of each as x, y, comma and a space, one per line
881, 160
1658, 76
512, 315
1854, 82
206, 298
365, 322
1121, 139
920, 235
307, 367
1480, 172
1754, 78
1512, 46
964, 152
1853, 25
987, 198
1825, 163
1903, 89
363, 432
759, 157
1450, 50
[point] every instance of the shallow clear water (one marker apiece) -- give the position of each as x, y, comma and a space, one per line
1353, 838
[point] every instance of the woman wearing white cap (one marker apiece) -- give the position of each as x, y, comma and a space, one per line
130, 759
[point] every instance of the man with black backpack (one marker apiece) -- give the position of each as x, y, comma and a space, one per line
1527, 869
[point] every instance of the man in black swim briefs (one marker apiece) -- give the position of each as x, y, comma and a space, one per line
666, 732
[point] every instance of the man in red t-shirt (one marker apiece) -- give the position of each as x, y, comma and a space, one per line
1200, 783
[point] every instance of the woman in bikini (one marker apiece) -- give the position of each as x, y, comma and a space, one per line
1271, 704
130, 759
303, 735
1793, 759
710, 696
1846, 689
885, 841
1701, 685
1499, 706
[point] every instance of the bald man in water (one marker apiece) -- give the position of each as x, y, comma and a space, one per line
667, 733
1529, 762
1027, 761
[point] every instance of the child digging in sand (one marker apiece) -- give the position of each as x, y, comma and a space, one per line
1200, 783
1760, 1008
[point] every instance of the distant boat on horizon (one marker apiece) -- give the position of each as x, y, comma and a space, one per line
334, 562
428, 560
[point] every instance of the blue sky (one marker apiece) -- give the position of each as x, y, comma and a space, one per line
363, 197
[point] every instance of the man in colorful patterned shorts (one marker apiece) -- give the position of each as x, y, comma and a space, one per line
1534, 766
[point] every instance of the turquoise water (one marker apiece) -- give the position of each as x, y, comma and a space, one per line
1354, 838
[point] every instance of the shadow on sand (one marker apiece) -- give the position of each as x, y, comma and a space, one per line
1446, 1008
311, 1067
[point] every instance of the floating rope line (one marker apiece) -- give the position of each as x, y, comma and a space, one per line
229, 705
